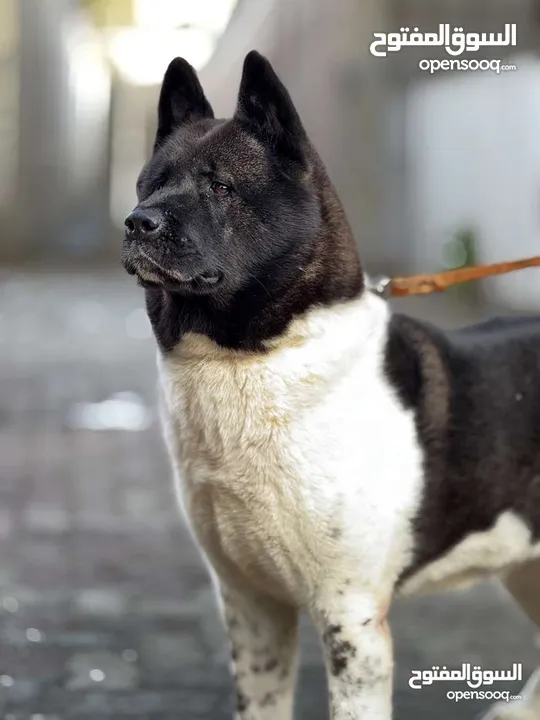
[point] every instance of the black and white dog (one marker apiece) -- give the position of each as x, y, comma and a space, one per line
329, 455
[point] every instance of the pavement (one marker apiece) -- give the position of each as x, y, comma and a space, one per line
105, 608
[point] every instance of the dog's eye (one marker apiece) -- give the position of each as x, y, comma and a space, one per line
219, 188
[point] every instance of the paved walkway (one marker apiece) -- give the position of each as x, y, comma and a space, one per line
105, 610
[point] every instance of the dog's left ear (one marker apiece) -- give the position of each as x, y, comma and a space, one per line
265, 107
181, 99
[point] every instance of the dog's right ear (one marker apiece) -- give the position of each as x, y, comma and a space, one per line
181, 99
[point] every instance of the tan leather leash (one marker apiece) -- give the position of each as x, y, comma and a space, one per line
439, 282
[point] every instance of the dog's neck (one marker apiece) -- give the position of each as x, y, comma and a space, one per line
326, 272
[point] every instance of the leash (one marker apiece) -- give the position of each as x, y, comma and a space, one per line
439, 282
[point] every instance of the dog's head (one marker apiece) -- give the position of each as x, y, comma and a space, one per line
219, 200
235, 212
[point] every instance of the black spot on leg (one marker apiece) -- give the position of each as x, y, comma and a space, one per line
242, 702
367, 622
335, 533
339, 651
340, 655
339, 664
332, 630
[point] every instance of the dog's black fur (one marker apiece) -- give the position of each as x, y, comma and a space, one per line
476, 397
246, 203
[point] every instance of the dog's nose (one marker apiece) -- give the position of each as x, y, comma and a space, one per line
143, 222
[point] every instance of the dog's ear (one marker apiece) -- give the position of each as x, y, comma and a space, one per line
266, 109
181, 99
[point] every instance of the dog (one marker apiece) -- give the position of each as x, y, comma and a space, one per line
329, 454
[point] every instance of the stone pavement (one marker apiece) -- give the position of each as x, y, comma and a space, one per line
105, 609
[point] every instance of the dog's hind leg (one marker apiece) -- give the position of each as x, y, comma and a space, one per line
523, 583
264, 639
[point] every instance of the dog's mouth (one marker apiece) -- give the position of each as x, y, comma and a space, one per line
201, 283
151, 273
196, 284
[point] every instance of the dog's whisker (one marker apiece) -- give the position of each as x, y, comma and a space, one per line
256, 279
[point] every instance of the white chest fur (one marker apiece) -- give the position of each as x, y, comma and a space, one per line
297, 465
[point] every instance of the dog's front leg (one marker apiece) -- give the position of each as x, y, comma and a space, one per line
357, 648
264, 639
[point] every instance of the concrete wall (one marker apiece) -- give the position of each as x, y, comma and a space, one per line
475, 163
61, 202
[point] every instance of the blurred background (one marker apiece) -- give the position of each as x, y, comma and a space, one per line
105, 610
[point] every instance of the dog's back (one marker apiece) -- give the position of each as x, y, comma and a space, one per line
476, 395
